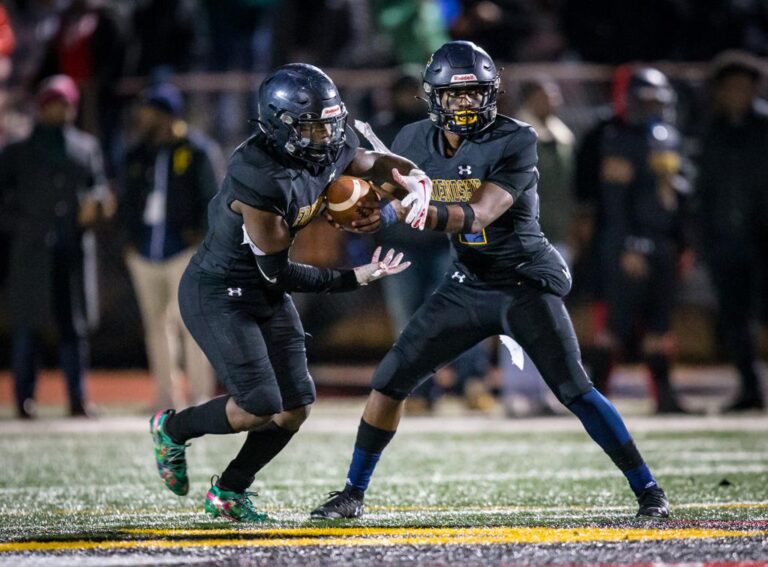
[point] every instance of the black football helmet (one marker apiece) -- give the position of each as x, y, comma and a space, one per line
650, 97
460, 64
298, 97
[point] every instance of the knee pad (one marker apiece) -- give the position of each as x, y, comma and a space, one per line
392, 377
311, 394
261, 401
302, 393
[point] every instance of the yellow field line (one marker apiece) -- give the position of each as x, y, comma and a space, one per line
512, 532
387, 537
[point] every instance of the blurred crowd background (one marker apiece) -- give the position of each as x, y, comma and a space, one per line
148, 73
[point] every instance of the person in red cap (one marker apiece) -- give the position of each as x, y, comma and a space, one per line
51, 186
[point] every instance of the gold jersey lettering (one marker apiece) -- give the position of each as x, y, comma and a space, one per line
307, 213
454, 190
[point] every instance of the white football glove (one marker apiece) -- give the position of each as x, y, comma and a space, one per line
391, 264
419, 188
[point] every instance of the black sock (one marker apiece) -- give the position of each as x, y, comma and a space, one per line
210, 417
658, 364
626, 457
750, 381
259, 448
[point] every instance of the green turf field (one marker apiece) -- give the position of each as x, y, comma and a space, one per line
97, 483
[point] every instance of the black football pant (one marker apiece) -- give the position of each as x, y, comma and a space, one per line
253, 338
462, 312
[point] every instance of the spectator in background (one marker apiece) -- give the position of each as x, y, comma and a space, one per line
541, 100
7, 44
241, 37
163, 34
88, 46
732, 188
51, 184
525, 393
34, 23
169, 177
241, 33
502, 26
348, 38
430, 257
638, 204
415, 29
405, 93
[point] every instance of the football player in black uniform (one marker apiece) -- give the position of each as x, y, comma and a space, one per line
233, 295
629, 178
507, 278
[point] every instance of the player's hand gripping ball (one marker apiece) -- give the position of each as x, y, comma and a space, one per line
350, 199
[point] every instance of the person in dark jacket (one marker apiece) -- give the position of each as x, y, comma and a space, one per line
88, 46
169, 177
638, 202
732, 188
51, 184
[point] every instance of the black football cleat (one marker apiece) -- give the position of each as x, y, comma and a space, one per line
347, 503
653, 503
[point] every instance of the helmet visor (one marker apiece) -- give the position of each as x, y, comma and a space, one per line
463, 106
318, 139
464, 98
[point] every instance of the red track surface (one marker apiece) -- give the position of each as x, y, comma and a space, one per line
103, 387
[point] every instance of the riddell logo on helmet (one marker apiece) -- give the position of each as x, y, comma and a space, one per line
462, 78
331, 111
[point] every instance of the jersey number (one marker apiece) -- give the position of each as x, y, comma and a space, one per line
473, 238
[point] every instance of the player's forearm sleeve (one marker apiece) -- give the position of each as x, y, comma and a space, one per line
278, 271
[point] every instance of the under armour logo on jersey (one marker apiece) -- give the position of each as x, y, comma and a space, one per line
458, 276
465, 170
235, 291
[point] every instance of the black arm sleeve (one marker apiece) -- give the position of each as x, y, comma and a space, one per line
279, 272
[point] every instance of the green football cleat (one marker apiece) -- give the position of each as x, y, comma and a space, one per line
233, 506
169, 456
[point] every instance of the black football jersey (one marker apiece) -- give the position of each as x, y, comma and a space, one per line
261, 178
504, 154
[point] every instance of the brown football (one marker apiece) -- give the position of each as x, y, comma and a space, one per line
342, 196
